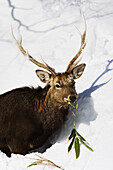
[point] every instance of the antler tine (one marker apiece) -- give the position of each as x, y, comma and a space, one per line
83, 44
25, 53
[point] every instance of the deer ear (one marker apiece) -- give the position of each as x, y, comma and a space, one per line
43, 76
78, 71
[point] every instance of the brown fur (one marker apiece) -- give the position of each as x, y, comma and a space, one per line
28, 116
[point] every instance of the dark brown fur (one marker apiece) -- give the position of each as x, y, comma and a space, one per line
27, 119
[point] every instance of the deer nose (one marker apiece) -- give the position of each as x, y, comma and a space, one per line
73, 98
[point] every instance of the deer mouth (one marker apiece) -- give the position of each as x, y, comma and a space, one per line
70, 101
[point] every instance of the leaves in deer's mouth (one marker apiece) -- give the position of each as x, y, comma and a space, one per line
76, 105
72, 103
75, 136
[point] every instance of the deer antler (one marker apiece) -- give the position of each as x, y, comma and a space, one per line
83, 44
25, 53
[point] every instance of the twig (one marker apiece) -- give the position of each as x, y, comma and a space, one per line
44, 161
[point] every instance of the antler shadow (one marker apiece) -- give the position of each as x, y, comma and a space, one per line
86, 111
94, 87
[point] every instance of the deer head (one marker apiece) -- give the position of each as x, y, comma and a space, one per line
62, 85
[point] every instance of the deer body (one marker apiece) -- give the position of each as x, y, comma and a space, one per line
28, 116
27, 120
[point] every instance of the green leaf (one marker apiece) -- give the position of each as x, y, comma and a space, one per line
71, 103
76, 105
72, 134
32, 164
80, 136
77, 147
88, 147
71, 144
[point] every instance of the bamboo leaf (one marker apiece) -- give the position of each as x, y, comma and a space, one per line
88, 147
81, 137
72, 134
71, 144
76, 105
71, 103
77, 147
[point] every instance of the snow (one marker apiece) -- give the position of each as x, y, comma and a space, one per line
47, 28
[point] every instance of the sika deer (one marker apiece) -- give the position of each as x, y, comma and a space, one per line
29, 116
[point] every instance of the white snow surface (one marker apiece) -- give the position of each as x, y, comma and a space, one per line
47, 28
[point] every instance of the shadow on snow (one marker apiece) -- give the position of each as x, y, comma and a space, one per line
86, 112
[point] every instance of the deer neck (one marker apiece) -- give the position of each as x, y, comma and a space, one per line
45, 101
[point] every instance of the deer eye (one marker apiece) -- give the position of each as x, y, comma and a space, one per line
58, 85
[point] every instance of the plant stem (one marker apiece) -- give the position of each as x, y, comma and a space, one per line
44, 161
73, 115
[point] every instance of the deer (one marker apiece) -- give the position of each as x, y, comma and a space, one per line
29, 116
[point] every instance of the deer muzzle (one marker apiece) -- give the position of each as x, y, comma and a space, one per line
71, 98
